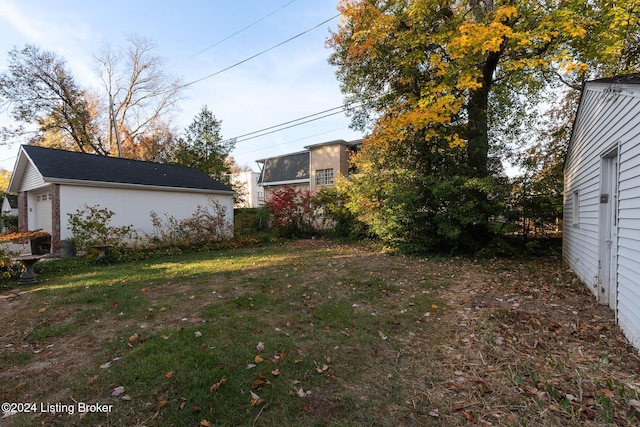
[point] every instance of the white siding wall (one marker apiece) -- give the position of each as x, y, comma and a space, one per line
591, 138
605, 121
31, 179
133, 207
629, 228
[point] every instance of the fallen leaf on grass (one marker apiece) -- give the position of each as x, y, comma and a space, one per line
588, 412
255, 399
105, 365
117, 391
134, 338
607, 392
322, 369
198, 334
214, 388
483, 387
169, 375
260, 346
434, 413
275, 372
93, 381
42, 310
163, 403
205, 423
258, 359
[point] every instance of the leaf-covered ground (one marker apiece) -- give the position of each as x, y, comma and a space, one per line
316, 333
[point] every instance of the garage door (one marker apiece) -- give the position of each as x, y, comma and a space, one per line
43, 211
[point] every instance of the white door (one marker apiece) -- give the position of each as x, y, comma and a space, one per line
609, 231
43, 211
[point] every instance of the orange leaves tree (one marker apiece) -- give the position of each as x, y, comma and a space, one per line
440, 85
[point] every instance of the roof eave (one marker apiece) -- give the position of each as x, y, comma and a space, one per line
287, 182
18, 171
85, 183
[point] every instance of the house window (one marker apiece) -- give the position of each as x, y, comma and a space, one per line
576, 209
324, 177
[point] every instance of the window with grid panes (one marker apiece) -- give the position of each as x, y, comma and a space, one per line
324, 177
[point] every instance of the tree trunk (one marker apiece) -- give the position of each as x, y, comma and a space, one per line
478, 126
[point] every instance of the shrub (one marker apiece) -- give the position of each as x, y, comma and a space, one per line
9, 222
202, 229
91, 226
292, 211
8, 268
251, 221
335, 217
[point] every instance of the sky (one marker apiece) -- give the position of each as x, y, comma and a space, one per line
198, 38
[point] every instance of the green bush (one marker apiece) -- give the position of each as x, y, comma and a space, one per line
334, 216
91, 226
251, 221
204, 228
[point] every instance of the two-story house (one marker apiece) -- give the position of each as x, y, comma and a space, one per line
317, 166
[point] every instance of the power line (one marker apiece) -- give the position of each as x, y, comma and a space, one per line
292, 123
288, 127
242, 30
341, 108
259, 53
289, 142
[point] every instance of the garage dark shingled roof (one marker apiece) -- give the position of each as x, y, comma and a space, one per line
56, 164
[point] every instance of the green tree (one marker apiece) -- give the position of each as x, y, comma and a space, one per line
441, 85
202, 147
39, 90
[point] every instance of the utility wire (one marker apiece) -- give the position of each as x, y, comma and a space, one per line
292, 123
341, 108
259, 53
288, 142
241, 30
290, 126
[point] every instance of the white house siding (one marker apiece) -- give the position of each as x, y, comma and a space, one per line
32, 179
134, 206
629, 228
606, 121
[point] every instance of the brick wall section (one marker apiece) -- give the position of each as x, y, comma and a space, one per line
23, 213
55, 212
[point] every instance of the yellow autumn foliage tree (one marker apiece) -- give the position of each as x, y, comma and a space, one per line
434, 83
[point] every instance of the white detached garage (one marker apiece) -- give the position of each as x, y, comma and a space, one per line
601, 236
52, 183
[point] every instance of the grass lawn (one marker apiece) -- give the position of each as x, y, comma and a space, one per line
312, 333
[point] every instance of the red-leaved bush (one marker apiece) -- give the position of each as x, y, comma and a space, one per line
292, 210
